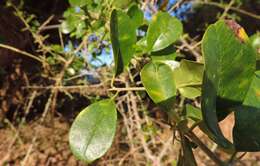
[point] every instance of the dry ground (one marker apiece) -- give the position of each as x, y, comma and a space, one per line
35, 145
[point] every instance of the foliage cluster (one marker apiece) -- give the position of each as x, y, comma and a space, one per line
147, 41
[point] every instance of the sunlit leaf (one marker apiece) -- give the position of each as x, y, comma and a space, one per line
229, 69
66, 27
93, 130
163, 31
158, 81
136, 15
253, 95
188, 78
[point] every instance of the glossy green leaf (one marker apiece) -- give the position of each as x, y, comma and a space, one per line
93, 130
141, 46
164, 52
136, 15
193, 113
246, 131
171, 63
123, 38
190, 92
163, 31
189, 73
188, 78
229, 69
224, 53
158, 81
209, 113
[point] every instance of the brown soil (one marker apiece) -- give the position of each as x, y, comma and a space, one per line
33, 144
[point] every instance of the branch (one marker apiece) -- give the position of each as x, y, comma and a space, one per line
231, 8
22, 52
127, 89
205, 149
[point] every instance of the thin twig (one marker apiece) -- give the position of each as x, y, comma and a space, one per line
46, 108
17, 133
231, 8
127, 89
27, 109
132, 102
29, 151
45, 23
61, 39
175, 6
50, 27
165, 148
232, 158
62, 87
22, 53
191, 49
227, 8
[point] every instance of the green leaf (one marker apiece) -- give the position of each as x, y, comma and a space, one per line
188, 78
93, 130
246, 131
229, 63
209, 113
170, 57
80, 29
136, 15
253, 95
141, 46
193, 113
158, 81
66, 27
171, 63
163, 31
229, 69
190, 92
189, 73
164, 52
123, 37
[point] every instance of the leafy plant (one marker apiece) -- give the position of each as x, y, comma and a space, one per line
226, 80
